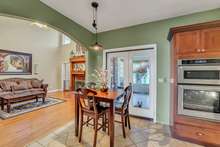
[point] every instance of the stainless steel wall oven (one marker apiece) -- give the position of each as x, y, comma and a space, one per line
206, 71
199, 88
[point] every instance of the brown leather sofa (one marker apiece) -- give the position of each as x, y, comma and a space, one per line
21, 89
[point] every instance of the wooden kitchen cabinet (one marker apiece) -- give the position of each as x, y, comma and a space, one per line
210, 40
187, 43
209, 136
195, 41
204, 43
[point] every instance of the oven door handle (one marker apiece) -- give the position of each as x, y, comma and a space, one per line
200, 87
200, 68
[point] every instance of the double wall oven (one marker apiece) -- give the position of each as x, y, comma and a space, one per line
199, 88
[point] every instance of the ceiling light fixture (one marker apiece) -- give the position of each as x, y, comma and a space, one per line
95, 46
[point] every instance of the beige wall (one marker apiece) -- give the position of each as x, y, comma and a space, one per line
44, 44
65, 51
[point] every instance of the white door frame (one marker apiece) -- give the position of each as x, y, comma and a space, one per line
147, 46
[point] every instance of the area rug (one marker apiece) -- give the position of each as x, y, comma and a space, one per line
28, 106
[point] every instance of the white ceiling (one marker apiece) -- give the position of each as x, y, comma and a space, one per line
114, 14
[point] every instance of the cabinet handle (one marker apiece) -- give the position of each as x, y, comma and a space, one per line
199, 134
202, 50
199, 50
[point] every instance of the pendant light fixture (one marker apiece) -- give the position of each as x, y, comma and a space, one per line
95, 46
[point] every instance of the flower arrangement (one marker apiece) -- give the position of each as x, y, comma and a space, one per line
101, 79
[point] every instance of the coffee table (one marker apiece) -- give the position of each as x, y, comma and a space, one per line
15, 98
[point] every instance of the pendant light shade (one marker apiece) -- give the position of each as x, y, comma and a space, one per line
96, 46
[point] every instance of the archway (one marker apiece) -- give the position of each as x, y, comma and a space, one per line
35, 10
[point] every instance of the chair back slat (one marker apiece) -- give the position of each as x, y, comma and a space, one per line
86, 99
127, 97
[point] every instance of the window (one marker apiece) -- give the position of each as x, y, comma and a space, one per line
65, 39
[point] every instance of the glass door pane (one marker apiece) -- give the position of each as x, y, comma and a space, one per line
143, 78
141, 83
202, 74
117, 70
201, 100
137, 68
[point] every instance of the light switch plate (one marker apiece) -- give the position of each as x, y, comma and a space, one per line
171, 80
161, 80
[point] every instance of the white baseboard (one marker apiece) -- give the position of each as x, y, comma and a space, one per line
55, 90
163, 123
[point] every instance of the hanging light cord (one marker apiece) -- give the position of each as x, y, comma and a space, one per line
95, 46
96, 29
94, 24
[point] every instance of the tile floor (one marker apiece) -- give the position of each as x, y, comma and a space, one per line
142, 134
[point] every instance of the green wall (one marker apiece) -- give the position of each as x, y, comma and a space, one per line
150, 33
36, 10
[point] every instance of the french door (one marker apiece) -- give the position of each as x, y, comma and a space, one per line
138, 68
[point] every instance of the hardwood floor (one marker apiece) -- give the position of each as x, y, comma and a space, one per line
20, 130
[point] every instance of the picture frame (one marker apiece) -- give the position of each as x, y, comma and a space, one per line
15, 63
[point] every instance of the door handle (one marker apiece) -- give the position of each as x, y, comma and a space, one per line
199, 134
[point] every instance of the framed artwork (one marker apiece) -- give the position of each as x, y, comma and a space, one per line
15, 63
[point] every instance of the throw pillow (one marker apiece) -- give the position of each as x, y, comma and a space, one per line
21, 86
29, 84
36, 83
7, 85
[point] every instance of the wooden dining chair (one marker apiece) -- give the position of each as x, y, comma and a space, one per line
122, 108
90, 108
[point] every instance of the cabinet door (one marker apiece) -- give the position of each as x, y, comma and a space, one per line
211, 40
188, 42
